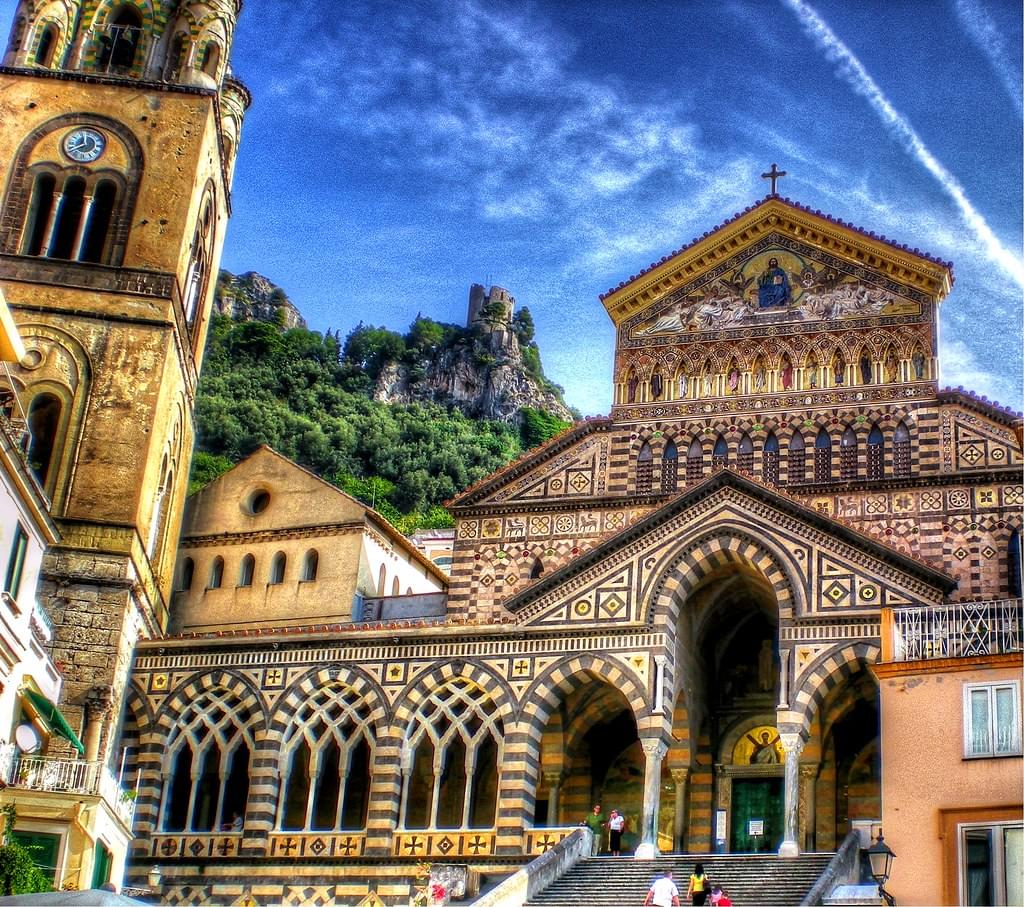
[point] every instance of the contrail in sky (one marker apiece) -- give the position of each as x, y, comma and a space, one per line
989, 40
850, 69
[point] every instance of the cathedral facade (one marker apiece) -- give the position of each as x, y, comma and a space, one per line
677, 611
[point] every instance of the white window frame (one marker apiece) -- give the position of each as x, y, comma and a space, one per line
990, 688
998, 866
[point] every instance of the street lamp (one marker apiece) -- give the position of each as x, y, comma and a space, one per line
155, 877
880, 857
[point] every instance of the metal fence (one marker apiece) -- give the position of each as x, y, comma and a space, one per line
957, 630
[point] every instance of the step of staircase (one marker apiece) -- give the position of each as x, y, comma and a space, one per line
751, 880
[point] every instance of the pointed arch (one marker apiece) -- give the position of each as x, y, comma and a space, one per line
216, 579
1013, 564
720, 452
848, 454
901, 460
829, 669
644, 468
670, 467
537, 568
246, 570
865, 365
770, 459
694, 461
657, 384
278, 565
823, 456
876, 453
745, 454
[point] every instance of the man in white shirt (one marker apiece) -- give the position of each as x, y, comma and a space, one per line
663, 892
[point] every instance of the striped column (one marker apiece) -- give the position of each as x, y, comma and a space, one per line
385, 793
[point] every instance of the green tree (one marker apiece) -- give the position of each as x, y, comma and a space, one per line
19, 873
538, 426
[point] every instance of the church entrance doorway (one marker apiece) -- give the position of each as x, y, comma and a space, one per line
591, 755
757, 823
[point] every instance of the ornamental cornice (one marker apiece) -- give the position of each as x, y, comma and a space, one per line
267, 535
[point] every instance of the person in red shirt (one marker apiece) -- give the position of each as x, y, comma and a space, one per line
719, 897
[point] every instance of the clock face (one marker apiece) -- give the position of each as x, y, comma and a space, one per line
84, 145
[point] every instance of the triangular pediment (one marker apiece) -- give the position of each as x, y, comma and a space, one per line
833, 568
571, 466
295, 498
832, 268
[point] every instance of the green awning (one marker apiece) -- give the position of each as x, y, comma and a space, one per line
52, 717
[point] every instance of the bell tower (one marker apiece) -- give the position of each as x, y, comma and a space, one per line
120, 121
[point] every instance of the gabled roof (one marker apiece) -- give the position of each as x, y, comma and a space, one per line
356, 508
773, 213
727, 477
529, 460
980, 404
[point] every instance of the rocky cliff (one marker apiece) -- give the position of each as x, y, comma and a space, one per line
483, 374
251, 297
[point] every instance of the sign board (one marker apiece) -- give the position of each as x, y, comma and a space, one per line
720, 825
755, 827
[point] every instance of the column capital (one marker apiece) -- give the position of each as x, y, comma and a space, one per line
680, 775
655, 748
792, 744
554, 778
808, 770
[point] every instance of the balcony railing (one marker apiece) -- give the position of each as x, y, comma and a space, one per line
72, 776
958, 630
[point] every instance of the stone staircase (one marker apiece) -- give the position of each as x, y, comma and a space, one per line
751, 880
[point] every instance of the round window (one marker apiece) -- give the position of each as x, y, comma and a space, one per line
259, 501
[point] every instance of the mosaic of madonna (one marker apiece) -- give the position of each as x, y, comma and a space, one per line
772, 287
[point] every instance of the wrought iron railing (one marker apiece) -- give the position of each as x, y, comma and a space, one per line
957, 630
73, 776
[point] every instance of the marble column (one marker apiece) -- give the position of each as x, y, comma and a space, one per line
792, 746
680, 776
554, 781
654, 752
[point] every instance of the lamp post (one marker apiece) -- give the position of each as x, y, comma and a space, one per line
155, 879
880, 857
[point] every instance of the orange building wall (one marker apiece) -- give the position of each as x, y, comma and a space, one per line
925, 778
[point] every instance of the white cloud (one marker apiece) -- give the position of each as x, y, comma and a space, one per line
850, 69
991, 42
960, 368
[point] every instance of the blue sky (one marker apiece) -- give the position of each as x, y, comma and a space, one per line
397, 152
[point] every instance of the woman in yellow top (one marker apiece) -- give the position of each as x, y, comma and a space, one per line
699, 885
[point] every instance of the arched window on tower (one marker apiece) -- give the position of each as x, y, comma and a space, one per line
119, 42
216, 573
161, 506
196, 278
396, 587
277, 567
745, 454
43, 425
246, 571
848, 454
47, 46
670, 467
694, 462
644, 469
901, 451
1013, 564
188, 569
720, 455
455, 744
326, 756
175, 58
876, 453
211, 59
69, 219
823, 456
95, 231
796, 459
770, 459
208, 756
40, 211
311, 565
382, 579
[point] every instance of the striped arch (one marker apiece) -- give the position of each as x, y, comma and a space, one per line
726, 543
549, 689
136, 700
178, 702
423, 685
826, 673
355, 679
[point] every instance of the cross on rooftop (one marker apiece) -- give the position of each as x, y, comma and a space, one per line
774, 175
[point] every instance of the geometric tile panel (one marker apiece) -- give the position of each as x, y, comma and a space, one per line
541, 840
317, 846
217, 846
440, 845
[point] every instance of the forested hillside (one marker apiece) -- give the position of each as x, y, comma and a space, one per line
310, 397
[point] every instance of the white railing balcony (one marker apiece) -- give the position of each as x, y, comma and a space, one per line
72, 776
958, 630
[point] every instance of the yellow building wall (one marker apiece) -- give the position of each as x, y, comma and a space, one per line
925, 773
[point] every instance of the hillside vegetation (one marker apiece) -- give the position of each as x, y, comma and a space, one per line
309, 397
